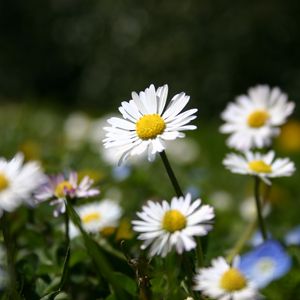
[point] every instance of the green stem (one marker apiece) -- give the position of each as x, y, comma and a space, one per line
199, 253
179, 193
102, 265
259, 208
65, 269
242, 241
171, 174
67, 229
12, 288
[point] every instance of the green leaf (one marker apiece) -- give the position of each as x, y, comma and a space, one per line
102, 266
63, 279
111, 297
41, 286
126, 282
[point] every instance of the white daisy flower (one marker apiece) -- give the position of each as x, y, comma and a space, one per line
98, 216
172, 225
18, 181
248, 209
146, 123
254, 119
264, 166
224, 282
76, 129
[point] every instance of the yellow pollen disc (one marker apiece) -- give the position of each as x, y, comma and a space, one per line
258, 118
4, 183
259, 166
173, 220
61, 188
107, 231
233, 280
94, 216
150, 126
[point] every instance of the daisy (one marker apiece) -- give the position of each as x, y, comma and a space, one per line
61, 187
172, 225
254, 118
224, 282
18, 180
147, 123
264, 166
99, 217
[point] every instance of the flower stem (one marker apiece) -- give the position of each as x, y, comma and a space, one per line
12, 288
241, 241
67, 229
178, 191
171, 174
259, 208
199, 253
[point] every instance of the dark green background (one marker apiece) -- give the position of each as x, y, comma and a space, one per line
92, 54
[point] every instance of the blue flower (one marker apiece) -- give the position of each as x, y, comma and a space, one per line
257, 238
265, 263
193, 190
120, 173
293, 236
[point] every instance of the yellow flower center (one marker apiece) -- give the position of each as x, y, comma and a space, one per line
108, 230
259, 166
173, 220
4, 183
258, 118
233, 280
61, 188
150, 126
91, 217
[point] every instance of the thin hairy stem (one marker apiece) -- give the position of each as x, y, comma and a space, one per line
260, 219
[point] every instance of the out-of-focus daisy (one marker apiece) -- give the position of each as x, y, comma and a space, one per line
266, 263
248, 209
261, 165
222, 281
253, 119
146, 123
221, 200
18, 181
173, 225
183, 151
99, 217
293, 237
60, 187
76, 129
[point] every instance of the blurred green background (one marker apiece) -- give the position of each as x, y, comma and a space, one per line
92, 54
